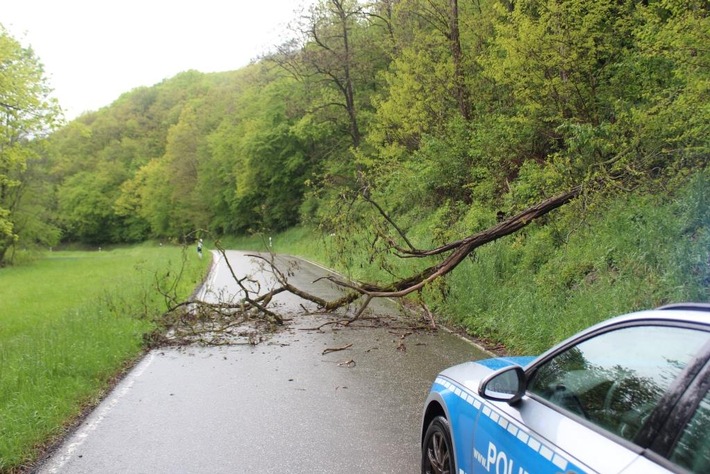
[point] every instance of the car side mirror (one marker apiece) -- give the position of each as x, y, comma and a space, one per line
504, 385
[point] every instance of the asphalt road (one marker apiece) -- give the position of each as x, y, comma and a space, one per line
282, 406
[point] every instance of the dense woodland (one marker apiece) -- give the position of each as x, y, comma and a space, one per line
446, 113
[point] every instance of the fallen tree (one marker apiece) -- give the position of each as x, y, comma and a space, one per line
216, 322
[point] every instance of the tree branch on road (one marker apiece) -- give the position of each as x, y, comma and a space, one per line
187, 321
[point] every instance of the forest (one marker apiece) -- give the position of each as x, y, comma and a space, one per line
378, 119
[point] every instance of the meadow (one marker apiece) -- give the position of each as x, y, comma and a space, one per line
70, 322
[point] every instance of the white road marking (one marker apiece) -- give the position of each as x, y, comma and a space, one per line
93, 423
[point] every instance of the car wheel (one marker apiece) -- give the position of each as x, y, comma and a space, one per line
437, 450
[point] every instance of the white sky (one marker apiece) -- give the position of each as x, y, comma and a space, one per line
95, 50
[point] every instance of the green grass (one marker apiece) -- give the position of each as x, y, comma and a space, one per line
632, 252
69, 323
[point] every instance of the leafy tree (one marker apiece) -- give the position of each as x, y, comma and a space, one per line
86, 205
28, 114
163, 191
428, 126
669, 120
107, 148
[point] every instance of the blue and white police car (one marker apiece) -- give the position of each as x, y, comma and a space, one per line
629, 395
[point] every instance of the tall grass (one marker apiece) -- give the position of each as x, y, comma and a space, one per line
632, 252
69, 323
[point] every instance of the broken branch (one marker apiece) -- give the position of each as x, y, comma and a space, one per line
336, 349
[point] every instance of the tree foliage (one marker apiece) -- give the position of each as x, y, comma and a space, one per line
449, 110
27, 114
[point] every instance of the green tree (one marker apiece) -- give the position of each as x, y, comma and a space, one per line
28, 114
163, 192
668, 113
433, 114
102, 152
259, 157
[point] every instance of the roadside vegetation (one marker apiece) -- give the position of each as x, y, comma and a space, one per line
527, 291
70, 322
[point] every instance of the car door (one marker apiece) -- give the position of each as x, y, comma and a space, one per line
589, 402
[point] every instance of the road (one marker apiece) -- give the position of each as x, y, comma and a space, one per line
281, 406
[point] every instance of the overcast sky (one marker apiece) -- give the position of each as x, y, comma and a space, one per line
95, 50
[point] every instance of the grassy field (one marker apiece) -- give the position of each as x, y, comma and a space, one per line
69, 323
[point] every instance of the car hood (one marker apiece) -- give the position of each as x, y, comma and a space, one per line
470, 374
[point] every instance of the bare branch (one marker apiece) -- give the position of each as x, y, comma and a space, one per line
336, 349
459, 251
366, 196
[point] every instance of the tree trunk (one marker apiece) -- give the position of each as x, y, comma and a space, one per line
348, 82
462, 96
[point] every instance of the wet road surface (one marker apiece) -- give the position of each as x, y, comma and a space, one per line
281, 406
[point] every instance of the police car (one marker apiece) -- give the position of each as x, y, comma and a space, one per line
629, 395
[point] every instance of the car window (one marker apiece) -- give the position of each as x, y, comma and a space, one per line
615, 379
692, 451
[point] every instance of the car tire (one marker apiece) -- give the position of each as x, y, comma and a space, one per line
437, 449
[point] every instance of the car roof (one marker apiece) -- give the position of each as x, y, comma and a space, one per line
684, 313
687, 306
680, 312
